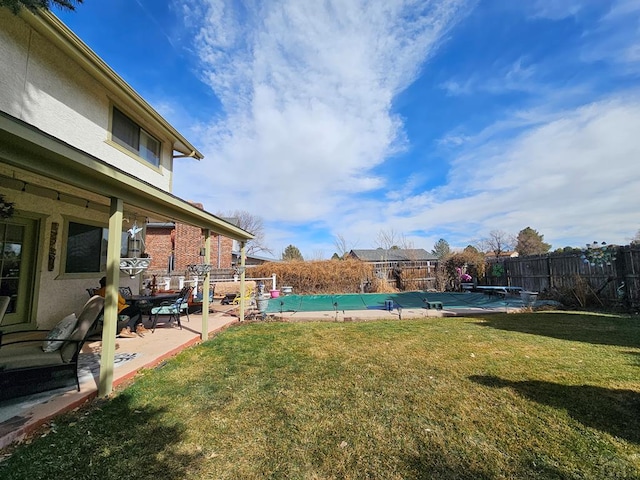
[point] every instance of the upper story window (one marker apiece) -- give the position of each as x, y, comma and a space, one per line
131, 136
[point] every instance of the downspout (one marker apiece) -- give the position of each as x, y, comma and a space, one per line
205, 287
105, 385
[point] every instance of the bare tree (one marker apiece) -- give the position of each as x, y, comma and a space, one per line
497, 242
341, 245
252, 224
387, 239
317, 254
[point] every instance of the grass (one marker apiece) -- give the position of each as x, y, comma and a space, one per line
539, 395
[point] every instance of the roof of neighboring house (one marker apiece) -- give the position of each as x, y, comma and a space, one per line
507, 254
393, 255
254, 257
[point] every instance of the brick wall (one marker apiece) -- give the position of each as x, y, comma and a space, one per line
188, 242
158, 246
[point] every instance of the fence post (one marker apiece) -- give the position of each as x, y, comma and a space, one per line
273, 281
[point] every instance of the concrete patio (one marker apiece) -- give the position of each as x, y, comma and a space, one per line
22, 416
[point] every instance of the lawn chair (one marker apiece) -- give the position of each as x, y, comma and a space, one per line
173, 308
26, 368
248, 297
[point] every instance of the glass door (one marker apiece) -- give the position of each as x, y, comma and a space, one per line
17, 258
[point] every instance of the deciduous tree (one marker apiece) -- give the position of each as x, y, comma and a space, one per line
252, 224
497, 242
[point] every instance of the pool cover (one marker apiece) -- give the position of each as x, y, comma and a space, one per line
379, 301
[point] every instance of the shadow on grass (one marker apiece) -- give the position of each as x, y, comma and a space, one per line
609, 410
596, 329
109, 440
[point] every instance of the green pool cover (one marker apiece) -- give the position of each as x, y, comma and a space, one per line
378, 301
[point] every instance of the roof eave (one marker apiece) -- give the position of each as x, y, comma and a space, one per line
50, 26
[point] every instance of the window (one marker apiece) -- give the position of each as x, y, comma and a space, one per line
127, 133
87, 248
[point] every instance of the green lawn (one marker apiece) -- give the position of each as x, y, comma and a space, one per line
539, 395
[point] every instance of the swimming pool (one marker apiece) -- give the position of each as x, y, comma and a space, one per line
377, 301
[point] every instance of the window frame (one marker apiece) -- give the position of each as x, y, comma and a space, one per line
103, 249
137, 148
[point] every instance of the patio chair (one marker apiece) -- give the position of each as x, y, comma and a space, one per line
248, 297
35, 361
173, 309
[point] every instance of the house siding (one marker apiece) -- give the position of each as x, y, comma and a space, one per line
42, 86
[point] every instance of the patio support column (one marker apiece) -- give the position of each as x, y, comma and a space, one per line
206, 287
243, 256
105, 385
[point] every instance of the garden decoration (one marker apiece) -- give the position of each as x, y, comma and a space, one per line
599, 254
135, 262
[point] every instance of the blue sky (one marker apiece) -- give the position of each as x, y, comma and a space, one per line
420, 119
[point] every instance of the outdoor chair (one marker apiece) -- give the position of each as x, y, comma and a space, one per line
34, 361
173, 308
234, 298
96, 330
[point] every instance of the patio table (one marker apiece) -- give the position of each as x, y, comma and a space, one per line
146, 302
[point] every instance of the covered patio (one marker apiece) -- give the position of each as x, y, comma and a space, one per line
44, 174
22, 416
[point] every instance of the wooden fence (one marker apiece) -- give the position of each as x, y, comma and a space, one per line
615, 283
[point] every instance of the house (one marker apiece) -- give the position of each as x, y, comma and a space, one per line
173, 246
83, 160
406, 267
252, 260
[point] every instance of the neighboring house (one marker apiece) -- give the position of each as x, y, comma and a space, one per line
251, 260
491, 257
173, 246
83, 158
407, 268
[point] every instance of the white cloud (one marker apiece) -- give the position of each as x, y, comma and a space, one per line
556, 10
518, 76
307, 89
573, 177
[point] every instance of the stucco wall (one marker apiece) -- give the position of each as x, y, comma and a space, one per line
43, 87
57, 296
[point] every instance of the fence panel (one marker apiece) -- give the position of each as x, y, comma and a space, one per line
562, 271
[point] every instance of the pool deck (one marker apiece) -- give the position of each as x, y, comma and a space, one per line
20, 418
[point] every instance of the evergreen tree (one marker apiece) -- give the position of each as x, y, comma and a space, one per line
441, 249
292, 253
530, 242
34, 5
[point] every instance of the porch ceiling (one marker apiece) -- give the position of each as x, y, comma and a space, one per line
28, 148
